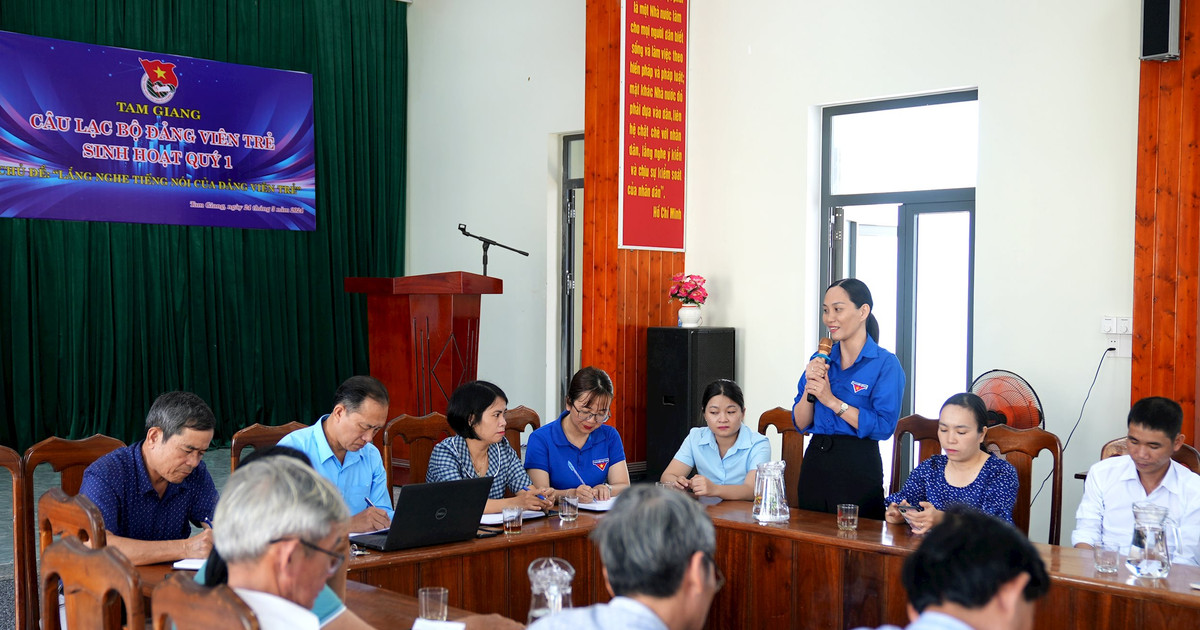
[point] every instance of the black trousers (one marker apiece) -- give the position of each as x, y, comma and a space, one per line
841, 469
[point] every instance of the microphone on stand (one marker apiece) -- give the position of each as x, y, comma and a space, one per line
824, 347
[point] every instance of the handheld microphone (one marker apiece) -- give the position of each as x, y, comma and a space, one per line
824, 347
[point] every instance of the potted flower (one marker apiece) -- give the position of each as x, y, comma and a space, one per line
689, 289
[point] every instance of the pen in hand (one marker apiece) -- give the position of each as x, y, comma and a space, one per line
571, 465
540, 496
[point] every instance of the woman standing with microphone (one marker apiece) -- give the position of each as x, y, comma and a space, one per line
857, 397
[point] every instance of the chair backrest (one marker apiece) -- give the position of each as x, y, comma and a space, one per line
793, 445
95, 582
1020, 447
924, 433
11, 460
420, 433
258, 436
1186, 455
69, 458
62, 515
180, 601
515, 421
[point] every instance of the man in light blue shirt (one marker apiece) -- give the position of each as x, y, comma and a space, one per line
339, 447
657, 546
973, 571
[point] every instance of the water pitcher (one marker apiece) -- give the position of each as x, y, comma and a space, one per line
1149, 555
770, 495
550, 583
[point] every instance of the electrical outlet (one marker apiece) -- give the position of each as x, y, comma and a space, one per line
1124, 346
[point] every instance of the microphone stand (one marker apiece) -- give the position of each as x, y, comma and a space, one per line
487, 242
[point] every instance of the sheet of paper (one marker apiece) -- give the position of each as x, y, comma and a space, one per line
188, 564
598, 506
428, 624
378, 531
498, 519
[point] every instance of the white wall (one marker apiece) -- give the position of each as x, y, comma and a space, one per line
1058, 87
1058, 84
491, 85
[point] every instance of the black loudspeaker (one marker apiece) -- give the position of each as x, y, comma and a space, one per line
1160, 30
680, 363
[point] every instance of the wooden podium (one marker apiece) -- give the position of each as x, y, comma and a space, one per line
423, 338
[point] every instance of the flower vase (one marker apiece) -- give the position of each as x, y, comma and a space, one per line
689, 316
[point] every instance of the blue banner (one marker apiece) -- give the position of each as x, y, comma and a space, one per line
93, 133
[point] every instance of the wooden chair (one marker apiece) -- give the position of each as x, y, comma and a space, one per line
1020, 447
420, 433
179, 602
258, 436
11, 460
793, 445
95, 582
69, 458
62, 515
1186, 455
924, 433
515, 421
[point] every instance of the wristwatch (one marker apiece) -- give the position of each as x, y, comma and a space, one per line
841, 410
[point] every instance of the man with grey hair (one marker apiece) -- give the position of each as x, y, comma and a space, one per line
149, 492
657, 546
277, 527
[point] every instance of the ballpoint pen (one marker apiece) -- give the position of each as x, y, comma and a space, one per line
571, 465
542, 497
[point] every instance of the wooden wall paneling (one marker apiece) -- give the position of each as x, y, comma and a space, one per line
864, 587
728, 609
518, 576
818, 598
447, 572
770, 601
1166, 221
578, 551
1143, 231
1188, 265
623, 290
484, 591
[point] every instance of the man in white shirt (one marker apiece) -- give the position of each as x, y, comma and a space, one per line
657, 546
1147, 473
277, 526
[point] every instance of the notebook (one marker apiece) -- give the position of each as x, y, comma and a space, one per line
431, 514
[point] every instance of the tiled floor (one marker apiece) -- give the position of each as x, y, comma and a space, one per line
44, 478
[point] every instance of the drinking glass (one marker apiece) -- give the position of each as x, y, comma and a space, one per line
512, 520
568, 508
1105, 557
847, 516
433, 602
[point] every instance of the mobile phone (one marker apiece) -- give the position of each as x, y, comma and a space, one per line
908, 508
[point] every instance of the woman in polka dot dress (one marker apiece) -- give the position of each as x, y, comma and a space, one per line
966, 474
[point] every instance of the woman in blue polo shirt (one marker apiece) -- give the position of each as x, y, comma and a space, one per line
580, 454
858, 396
726, 453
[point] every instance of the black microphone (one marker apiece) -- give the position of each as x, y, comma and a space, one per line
824, 347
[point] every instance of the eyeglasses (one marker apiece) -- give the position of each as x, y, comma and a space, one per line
585, 416
718, 577
335, 559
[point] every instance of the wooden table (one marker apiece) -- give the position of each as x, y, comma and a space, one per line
489, 575
378, 607
800, 574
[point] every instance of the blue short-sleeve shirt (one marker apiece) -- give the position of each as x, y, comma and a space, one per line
874, 385
120, 486
548, 449
360, 476
700, 450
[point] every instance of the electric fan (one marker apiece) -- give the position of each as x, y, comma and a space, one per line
1010, 396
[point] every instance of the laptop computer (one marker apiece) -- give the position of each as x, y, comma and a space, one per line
431, 514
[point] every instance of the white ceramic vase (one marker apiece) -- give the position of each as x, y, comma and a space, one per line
689, 316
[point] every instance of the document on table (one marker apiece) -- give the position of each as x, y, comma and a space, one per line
188, 564
498, 518
378, 531
598, 506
